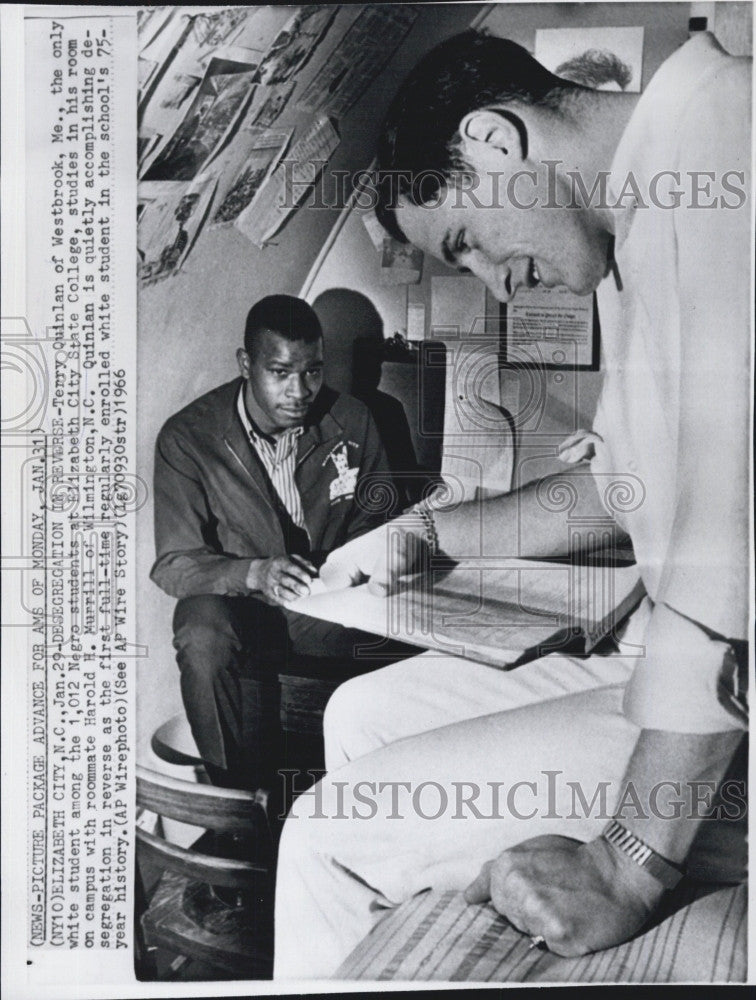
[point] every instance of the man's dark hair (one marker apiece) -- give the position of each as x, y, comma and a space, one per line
289, 317
418, 146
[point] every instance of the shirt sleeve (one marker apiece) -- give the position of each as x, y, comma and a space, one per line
188, 563
686, 681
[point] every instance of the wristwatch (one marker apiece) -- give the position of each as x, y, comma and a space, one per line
621, 839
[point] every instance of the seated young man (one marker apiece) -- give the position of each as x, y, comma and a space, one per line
255, 483
447, 774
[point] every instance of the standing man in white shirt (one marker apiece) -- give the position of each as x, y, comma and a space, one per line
491, 163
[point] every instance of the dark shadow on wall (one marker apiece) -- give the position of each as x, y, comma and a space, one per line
356, 362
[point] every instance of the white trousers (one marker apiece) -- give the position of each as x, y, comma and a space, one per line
435, 765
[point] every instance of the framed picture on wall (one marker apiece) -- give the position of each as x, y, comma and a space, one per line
550, 328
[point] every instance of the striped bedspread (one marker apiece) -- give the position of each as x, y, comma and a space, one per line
698, 937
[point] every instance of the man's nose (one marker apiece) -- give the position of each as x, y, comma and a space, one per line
298, 387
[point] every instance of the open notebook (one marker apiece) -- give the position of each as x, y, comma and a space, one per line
495, 611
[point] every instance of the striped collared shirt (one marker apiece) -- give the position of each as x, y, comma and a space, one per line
279, 459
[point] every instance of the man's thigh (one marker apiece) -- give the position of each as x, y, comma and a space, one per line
433, 690
428, 810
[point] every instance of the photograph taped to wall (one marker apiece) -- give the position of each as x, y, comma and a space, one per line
601, 58
252, 117
401, 264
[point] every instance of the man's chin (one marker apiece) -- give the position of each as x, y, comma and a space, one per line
292, 419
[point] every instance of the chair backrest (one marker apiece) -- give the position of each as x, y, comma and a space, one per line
217, 809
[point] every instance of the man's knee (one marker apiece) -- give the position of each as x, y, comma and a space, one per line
345, 708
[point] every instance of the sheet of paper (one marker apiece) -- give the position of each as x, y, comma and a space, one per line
357, 59
209, 120
401, 263
458, 306
296, 43
270, 103
265, 151
415, 321
287, 186
550, 326
170, 221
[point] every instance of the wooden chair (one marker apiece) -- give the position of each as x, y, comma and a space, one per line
181, 913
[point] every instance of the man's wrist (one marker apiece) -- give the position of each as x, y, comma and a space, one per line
623, 872
630, 845
254, 574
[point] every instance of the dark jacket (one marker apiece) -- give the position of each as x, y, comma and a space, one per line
215, 508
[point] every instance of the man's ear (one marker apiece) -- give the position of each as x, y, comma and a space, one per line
501, 130
242, 359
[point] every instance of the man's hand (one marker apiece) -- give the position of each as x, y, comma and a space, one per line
381, 556
579, 897
281, 578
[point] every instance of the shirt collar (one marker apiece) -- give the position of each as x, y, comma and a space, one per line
253, 431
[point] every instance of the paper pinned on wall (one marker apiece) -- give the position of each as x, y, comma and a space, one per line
258, 27
601, 58
295, 44
287, 186
375, 230
270, 103
550, 326
458, 307
171, 218
209, 121
401, 263
358, 58
262, 157
415, 321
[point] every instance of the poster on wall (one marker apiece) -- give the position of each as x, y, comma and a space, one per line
357, 59
213, 114
601, 58
267, 148
296, 43
401, 263
171, 217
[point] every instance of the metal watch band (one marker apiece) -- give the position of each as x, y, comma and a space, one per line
644, 856
429, 525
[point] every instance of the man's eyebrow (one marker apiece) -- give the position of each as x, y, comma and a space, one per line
449, 255
290, 364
